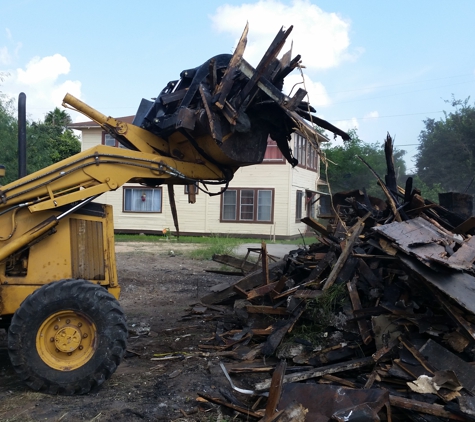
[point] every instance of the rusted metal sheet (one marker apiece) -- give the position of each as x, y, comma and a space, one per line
430, 244
457, 285
416, 237
329, 402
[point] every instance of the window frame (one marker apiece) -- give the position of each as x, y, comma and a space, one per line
117, 144
298, 205
238, 206
305, 153
159, 188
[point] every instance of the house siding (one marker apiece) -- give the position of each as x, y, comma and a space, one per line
204, 216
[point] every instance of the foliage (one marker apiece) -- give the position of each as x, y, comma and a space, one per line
446, 154
206, 239
59, 142
319, 315
220, 245
47, 142
58, 118
8, 138
347, 172
62, 141
427, 192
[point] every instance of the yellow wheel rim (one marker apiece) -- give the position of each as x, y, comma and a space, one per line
66, 340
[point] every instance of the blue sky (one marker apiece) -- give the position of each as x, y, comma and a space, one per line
377, 66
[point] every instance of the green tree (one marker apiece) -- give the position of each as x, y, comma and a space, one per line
427, 192
47, 142
62, 141
58, 118
8, 138
345, 171
446, 153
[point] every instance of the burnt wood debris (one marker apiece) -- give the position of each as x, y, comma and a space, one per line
374, 321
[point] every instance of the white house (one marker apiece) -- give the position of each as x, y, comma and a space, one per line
263, 201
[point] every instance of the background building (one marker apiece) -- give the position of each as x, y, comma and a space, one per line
263, 201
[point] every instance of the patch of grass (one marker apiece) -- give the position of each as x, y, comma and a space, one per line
319, 314
216, 245
206, 239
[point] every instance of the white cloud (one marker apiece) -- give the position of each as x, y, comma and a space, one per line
316, 93
347, 125
46, 69
320, 37
43, 83
9, 34
371, 115
71, 87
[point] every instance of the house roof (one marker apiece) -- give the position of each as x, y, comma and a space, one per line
90, 124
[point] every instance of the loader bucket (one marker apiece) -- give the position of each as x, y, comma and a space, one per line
227, 109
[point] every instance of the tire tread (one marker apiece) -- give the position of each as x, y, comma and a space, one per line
88, 296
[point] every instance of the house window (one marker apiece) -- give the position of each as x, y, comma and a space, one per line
305, 153
247, 205
300, 150
298, 206
142, 200
311, 201
264, 205
110, 141
312, 157
229, 205
325, 205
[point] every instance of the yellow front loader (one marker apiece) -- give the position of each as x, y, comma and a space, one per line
58, 281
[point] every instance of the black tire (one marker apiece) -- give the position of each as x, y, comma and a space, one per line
106, 348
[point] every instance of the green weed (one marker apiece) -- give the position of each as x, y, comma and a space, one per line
205, 239
217, 245
319, 314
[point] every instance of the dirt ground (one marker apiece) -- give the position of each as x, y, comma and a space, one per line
159, 289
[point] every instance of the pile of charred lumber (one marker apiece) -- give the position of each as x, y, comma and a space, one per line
375, 321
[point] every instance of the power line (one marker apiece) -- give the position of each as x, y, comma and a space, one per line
391, 115
398, 93
400, 84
